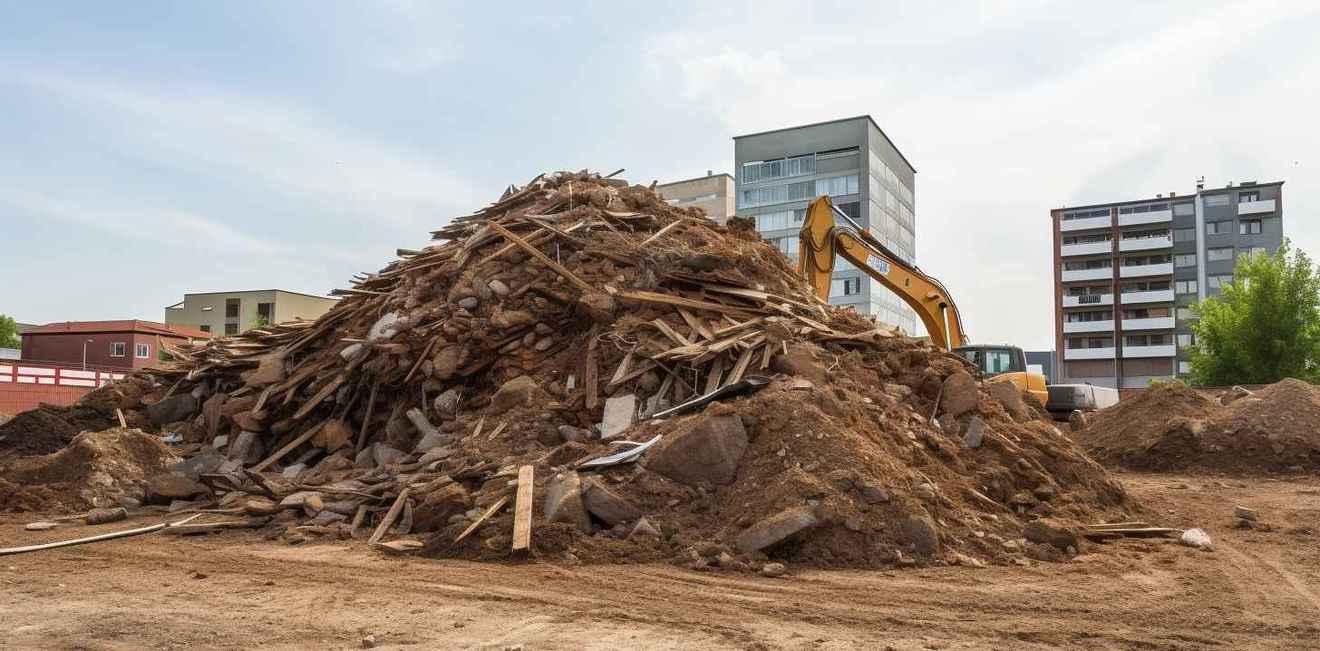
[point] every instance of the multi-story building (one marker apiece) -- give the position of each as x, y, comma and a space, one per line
229, 313
126, 344
712, 193
1126, 274
779, 173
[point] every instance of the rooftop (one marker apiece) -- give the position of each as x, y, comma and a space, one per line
868, 118
695, 178
1175, 197
126, 325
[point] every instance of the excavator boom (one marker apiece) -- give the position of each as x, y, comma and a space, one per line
822, 239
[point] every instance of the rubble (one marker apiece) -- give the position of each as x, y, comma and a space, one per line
466, 377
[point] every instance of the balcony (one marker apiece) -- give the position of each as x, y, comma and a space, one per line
1067, 225
1150, 323
1087, 274
1154, 296
1145, 243
1139, 270
1086, 248
1256, 207
1088, 353
1071, 327
1163, 350
1088, 300
1152, 217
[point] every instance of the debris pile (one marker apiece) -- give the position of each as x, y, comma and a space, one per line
585, 373
97, 469
1175, 427
50, 428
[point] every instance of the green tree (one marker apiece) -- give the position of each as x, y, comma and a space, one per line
1264, 327
8, 332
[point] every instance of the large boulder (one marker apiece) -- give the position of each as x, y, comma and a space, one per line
172, 409
1007, 394
919, 532
608, 505
775, 529
564, 503
707, 452
960, 395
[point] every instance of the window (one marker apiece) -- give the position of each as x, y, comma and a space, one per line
852, 209
1184, 260
1089, 317
1146, 340
1185, 287
1218, 228
1086, 264
845, 287
837, 186
1184, 367
1247, 197
142, 351
1217, 200
205, 328
1185, 340
1219, 253
231, 329
1146, 313
1255, 250
1090, 342
1150, 207
1086, 214
117, 349
1145, 235
1218, 281
231, 308
1184, 235
1249, 227
266, 312
1184, 209
774, 221
757, 171
800, 191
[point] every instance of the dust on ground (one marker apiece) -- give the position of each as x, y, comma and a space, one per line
1260, 589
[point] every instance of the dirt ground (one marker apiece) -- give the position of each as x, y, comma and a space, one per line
1258, 589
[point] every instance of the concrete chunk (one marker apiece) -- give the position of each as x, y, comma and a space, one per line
960, 395
608, 505
563, 501
172, 409
975, 434
707, 452
619, 414
775, 529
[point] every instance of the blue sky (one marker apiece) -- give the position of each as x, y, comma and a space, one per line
151, 149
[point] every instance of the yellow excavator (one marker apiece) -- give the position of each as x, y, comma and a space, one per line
822, 241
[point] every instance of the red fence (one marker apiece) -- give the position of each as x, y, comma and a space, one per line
24, 385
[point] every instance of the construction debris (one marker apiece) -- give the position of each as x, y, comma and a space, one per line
740, 419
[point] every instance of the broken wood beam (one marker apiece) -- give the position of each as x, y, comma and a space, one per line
522, 510
390, 516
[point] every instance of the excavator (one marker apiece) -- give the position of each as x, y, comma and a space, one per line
822, 241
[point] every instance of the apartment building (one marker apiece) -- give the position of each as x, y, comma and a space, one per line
712, 193
780, 172
1126, 274
229, 313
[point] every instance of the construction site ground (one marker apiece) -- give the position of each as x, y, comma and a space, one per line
1258, 589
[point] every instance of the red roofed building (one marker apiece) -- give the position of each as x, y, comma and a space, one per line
129, 344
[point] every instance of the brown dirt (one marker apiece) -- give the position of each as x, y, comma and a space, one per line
93, 471
1174, 427
49, 428
1260, 589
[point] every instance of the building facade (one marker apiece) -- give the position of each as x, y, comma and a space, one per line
1126, 274
712, 193
229, 313
126, 344
780, 172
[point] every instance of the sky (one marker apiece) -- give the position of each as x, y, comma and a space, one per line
149, 149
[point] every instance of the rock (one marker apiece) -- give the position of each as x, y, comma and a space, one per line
498, 288
168, 486
608, 505
773, 570
1007, 394
920, 533
512, 319
1245, 513
800, 363
709, 451
644, 529
975, 433
333, 435
578, 434
384, 327
775, 529
350, 351
841, 479
220, 441
1077, 420
385, 455
446, 404
1050, 532
564, 503
513, 393
291, 472
368, 641
598, 306
445, 363
247, 449
873, 493
470, 303
172, 409
619, 414
246, 420
960, 395
1197, 538
203, 463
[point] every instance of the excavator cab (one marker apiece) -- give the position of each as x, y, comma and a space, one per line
993, 360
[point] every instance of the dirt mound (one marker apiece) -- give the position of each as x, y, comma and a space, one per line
545, 330
1174, 427
94, 470
50, 428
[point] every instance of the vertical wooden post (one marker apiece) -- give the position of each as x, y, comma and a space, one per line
522, 511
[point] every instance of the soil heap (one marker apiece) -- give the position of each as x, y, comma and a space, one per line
543, 331
96, 469
50, 428
1175, 427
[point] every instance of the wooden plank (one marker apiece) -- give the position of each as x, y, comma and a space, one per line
724, 332
624, 367
699, 325
119, 413
302, 438
589, 373
522, 511
329, 388
358, 518
716, 373
494, 508
545, 259
497, 431
642, 368
691, 303
366, 420
668, 331
765, 358
390, 516
662, 232
740, 367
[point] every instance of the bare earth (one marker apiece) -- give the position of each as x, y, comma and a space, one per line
1259, 589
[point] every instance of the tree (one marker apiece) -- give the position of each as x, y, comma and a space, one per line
8, 332
1264, 327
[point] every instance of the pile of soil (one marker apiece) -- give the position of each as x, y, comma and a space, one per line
95, 470
1175, 427
50, 428
543, 331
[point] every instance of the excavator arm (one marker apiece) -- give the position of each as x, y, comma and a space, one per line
821, 240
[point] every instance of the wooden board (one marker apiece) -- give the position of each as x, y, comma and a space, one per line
494, 508
522, 511
390, 516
